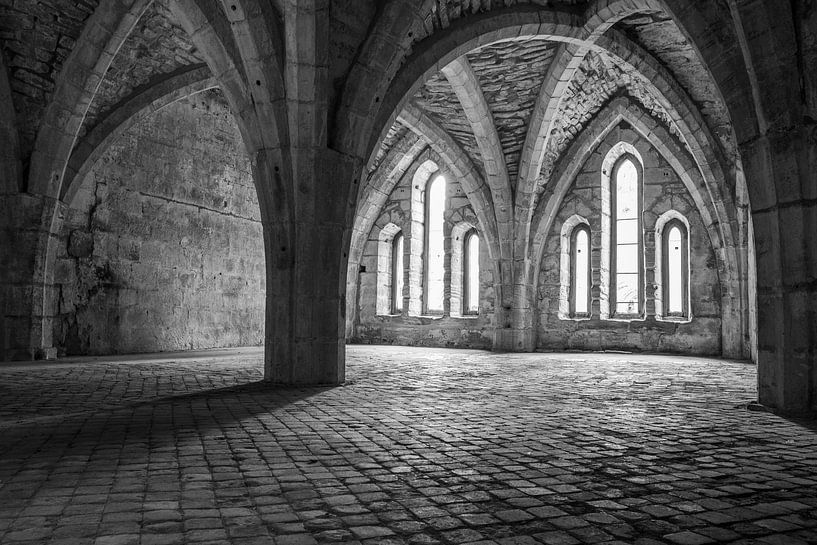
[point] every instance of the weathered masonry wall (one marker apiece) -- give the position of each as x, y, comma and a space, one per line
662, 191
162, 248
408, 327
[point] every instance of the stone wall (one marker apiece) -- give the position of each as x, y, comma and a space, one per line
409, 327
162, 248
663, 190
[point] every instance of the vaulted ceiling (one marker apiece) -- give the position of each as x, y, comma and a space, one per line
36, 39
510, 74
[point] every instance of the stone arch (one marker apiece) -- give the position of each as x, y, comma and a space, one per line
442, 48
696, 136
463, 169
90, 60
621, 109
102, 36
768, 111
389, 92
373, 196
134, 109
258, 35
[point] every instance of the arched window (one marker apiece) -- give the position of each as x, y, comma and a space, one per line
627, 259
580, 272
389, 279
435, 246
470, 274
675, 269
397, 274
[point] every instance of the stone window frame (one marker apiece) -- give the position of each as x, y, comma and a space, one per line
573, 258
428, 170
607, 301
398, 264
566, 277
385, 260
663, 225
426, 245
457, 300
466, 273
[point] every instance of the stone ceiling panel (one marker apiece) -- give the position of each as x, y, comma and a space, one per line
36, 38
158, 45
511, 75
595, 83
438, 100
659, 35
395, 134
445, 12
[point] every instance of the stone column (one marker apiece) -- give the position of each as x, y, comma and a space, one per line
28, 297
306, 249
784, 215
515, 321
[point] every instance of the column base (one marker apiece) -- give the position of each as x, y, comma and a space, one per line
514, 340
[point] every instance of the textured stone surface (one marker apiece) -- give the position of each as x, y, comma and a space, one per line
420, 446
510, 75
438, 101
659, 34
409, 328
756, 56
36, 37
393, 137
164, 249
597, 80
157, 46
662, 191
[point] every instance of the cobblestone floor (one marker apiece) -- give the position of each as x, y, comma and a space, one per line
420, 446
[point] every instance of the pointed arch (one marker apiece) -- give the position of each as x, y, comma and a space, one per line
463, 80
257, 31
103, 34
459, 234
374, 194
477, 191
622, 109
671, 219
168, 89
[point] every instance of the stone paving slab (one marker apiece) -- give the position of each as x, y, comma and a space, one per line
420, 446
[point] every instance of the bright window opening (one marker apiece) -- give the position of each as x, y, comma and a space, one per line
435, 245
397, 274
676, 288
471, 274
580, 281
627, 257
675, 269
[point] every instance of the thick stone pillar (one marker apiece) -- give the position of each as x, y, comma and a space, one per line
515, 322
29, 228
784, 215
306, 238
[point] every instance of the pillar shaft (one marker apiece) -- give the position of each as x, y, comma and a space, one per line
784, 215
28, 297
306, 241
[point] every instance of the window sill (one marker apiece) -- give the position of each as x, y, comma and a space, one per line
575, 318
675, 319
635, 318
